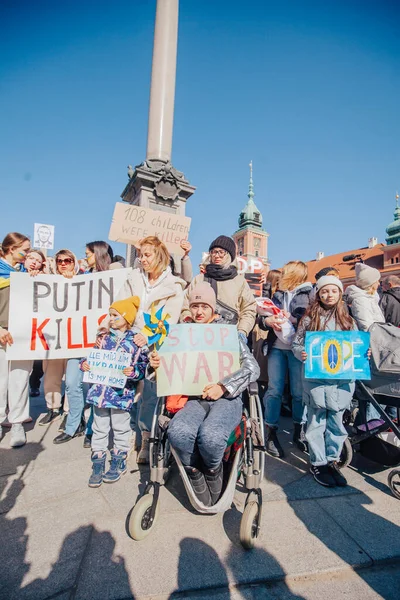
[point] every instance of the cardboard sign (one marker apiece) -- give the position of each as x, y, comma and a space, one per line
131, 223
337, 355
43, 236
55, 317
194, 355
106, 367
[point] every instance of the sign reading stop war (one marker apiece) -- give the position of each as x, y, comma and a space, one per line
193, 356
55, 317
337, 355
131, 223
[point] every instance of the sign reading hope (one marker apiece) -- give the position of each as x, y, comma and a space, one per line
194, 355
55, 317
131, 223
106, 367
337, 355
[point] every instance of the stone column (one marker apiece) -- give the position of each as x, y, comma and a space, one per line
155, 183
162, 92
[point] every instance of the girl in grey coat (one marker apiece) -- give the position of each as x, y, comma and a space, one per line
326, 399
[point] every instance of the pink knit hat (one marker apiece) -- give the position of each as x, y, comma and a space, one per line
203, 293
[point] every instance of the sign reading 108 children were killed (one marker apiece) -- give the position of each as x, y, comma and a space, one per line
131, 223
55, 317
195, 355
337, 355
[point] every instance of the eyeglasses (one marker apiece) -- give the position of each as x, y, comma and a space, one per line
221, 253
64, 261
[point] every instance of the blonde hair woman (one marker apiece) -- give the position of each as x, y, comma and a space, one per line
155, 285
292, 297
14, 374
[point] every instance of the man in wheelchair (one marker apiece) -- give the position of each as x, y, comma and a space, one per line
200, 430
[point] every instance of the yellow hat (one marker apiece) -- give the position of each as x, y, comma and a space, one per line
127, 308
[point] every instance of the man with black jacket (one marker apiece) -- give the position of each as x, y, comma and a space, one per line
390, 301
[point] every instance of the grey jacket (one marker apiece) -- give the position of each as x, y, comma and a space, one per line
249, 371
364, 307
332, 395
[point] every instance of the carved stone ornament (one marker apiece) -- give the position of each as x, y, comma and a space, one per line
167, 184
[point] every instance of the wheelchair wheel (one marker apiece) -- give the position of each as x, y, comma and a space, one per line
139, 524
347, 455
394, 482
249, 525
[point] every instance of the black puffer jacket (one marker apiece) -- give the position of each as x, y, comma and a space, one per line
390, 305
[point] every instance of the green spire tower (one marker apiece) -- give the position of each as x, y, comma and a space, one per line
393, 230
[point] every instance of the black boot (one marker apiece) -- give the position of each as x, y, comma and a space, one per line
214, 479
299, 437
272, 443
199, 485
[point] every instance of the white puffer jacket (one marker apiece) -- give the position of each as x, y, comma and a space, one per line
364, 307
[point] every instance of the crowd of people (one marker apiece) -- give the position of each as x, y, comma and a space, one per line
200, 426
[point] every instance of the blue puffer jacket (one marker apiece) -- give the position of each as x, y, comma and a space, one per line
104, 396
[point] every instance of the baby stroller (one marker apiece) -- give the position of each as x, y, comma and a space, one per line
244, 456
378, 439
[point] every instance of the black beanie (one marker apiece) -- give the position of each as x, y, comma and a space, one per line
323, 272
226, 243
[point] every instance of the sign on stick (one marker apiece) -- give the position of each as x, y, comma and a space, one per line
43, 236
55, 317
337, 355
131, 223
194, 355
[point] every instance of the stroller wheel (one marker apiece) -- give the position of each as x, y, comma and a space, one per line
347, 455
394, 482
140, 524
249, 525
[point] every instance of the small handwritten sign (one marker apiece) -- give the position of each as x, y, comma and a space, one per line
337, 355
194, 355
106, 367
131, 223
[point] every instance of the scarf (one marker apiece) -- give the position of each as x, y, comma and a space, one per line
5, 270
220, 273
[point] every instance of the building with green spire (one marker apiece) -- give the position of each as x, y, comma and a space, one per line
251, 239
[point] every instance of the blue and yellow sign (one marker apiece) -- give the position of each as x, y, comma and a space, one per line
337, 355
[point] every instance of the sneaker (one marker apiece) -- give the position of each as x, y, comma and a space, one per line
34, 392
323, 475
199, 485
18, 437
117, 466
214, 479
1, 432
272, 444
299, 437
98, 467
63, 423
50, 416
336, 473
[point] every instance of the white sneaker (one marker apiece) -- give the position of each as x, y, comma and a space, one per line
18, 437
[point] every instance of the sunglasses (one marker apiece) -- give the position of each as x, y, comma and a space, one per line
64, 261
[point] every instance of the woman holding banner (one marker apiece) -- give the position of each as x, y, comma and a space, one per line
14, 375
98, 257
155, 285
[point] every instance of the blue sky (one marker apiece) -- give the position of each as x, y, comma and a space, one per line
310, 91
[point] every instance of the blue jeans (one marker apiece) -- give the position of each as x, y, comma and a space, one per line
76, 391
146, 405
193, 430
325, 435
279, 363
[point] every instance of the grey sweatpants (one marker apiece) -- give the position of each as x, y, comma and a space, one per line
111, 418
193, 431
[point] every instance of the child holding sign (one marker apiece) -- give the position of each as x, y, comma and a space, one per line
112, 405
326, 399
200, 430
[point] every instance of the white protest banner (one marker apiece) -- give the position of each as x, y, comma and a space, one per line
43, 236
195, 355
55, 317
131, 223
106, 367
